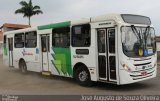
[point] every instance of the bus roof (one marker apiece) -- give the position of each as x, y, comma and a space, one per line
81, 21
20, 30
115, 17
54, 25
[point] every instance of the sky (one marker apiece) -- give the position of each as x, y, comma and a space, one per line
66, 10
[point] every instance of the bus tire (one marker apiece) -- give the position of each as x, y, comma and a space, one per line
23, 67
82, 76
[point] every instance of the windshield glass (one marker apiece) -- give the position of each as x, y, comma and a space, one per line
138, 41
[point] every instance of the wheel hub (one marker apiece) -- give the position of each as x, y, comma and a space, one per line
83, 76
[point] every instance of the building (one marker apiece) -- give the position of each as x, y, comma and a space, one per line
9, 27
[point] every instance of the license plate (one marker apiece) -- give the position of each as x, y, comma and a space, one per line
144, 73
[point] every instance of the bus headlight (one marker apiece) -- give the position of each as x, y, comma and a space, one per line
126, 67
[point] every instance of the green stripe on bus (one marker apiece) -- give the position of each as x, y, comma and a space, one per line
62, 60
5, 51
55, 25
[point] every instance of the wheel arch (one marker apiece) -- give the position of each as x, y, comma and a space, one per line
20, 61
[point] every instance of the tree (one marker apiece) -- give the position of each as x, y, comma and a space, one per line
28, 10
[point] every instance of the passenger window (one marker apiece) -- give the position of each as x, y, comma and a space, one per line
101, 41
81, 35
10, 44
111, 35
61, 37
31, 39
19, 40
45, 43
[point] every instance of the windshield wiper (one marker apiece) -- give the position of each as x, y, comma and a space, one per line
135, 31
138, 34
146, 33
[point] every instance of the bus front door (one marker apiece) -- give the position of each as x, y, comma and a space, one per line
10, 47
106, 54
45, 39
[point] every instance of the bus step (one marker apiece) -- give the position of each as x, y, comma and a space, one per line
46, 73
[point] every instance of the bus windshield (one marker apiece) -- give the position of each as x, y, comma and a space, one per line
138, 41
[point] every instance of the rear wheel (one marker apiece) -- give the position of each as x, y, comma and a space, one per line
82, 76
23, 67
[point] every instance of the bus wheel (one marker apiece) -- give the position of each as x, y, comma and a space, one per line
23, 67
82, 76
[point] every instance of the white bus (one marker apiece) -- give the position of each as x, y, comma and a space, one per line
114, 48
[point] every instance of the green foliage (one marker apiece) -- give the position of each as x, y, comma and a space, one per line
28, 10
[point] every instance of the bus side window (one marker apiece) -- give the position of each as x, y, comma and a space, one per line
61, 37
19, 40
31, 39
81, 35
